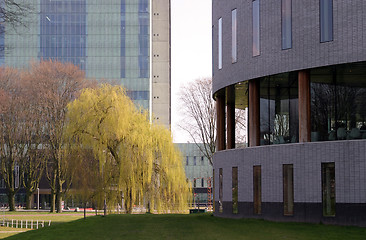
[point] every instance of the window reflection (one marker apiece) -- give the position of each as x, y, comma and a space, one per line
235, 189
288, 189
257, 189
279, 109
220, 190
338, 109
328, 189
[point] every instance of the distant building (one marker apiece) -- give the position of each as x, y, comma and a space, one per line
125, 41
198, 171
299, 69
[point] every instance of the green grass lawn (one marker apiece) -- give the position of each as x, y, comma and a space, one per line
195, 226
40, 216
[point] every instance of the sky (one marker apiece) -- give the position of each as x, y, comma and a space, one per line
190, 51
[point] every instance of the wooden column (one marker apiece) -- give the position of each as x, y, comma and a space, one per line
230, 116
254, 130
304, 106
220, 121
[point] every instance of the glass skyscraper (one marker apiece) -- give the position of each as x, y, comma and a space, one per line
107, 39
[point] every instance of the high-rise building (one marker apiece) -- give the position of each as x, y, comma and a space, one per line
125, 41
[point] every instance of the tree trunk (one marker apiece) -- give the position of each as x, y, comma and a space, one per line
84, 210
53, 202
28, 199
11, 200
59, 202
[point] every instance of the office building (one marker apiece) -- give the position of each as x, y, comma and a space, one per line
299, 67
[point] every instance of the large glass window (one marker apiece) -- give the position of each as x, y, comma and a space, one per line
257, 189
63, 31
286, 24
326, 20
220, 44
123, 38
2, 45
144, 38
338, 102
256, 28
220, 190
288, 189
279, 116
235, 189
328, 189
233, 36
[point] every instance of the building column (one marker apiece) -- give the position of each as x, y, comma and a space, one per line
220, 121
230, 116
304, 106
254, 124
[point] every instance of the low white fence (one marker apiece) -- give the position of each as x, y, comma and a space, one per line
17, 223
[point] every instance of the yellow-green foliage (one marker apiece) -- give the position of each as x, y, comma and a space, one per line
135, 156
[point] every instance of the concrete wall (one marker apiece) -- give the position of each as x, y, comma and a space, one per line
350, 178
161, 93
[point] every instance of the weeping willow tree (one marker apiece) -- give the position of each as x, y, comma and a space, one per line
135, 158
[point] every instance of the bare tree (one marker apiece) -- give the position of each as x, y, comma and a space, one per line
12, 12
12, 124
58, 84
198, 109
12, 15
199, 116
35, 157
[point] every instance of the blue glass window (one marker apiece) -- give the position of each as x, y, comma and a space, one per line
123, 38
63, 31
138, 95
256, 28
326, 20
286, 24
144, 39
220, 43
233, 36
2, 45
143, 6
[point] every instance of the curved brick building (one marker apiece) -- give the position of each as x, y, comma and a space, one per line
298, 68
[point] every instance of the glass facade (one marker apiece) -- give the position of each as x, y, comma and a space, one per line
286, 24
326, 20
63, 31
233, 36
2, 45
108, 39
256, 28
279, 118
220, 44
338, 109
